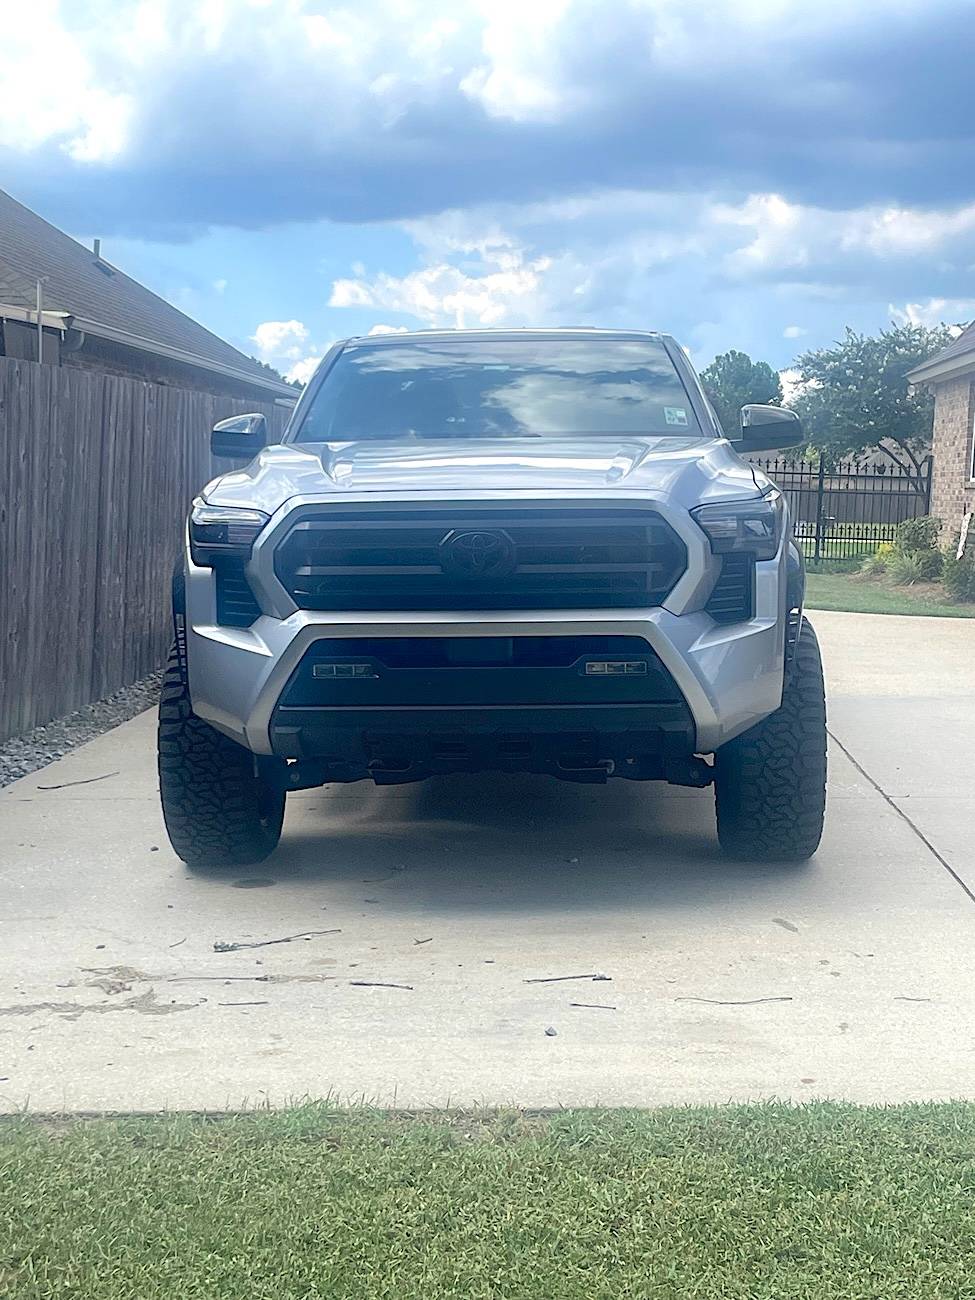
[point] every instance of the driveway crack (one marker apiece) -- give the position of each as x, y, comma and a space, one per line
903, 816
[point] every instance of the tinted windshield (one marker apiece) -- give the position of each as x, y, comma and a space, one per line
477, 388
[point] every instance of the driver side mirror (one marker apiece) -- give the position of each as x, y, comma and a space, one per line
240, 437
768, 428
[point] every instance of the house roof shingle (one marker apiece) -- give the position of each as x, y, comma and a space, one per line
956, 356
85, 286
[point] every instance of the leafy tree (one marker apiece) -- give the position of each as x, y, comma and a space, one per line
855, 395
274, 373
732, 380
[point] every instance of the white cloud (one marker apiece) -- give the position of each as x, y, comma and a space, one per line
389, 329
280, 340
956, 311
220, 286
89, 119
792, 385
505, 288
794, 332
302, 370
519, 77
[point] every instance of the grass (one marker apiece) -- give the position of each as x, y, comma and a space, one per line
862, 595
820, 1202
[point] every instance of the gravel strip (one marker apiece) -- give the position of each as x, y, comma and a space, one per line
21, 755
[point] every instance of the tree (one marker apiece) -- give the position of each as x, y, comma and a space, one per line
275, 374
855, 395
732, 380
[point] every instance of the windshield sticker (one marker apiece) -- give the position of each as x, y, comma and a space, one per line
675, 415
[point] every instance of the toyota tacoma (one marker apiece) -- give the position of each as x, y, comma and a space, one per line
514, 551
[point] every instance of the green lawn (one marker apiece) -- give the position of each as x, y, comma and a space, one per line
747, 1203
848, 592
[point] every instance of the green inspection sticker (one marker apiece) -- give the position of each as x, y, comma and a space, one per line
675, 415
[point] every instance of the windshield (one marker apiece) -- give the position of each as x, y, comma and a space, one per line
477, 388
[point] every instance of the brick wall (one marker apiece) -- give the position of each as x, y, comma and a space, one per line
953, 492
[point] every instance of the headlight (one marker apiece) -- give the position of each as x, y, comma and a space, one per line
222, 532
751, 526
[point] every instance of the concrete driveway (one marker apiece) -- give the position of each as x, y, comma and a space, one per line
850, 977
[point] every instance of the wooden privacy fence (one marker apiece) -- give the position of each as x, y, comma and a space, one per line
96, 476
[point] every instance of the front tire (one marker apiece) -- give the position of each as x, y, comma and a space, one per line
218, 811
770, 783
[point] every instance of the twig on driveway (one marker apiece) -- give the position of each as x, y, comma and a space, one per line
417, 942
557, 979
178, 942
265, 1003
88, 780
745, 1002
266, 943
378, 984
593, 1006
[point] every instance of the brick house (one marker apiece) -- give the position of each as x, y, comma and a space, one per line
95, 317
950, 374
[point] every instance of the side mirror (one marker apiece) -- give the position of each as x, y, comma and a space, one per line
767, 428
240, 437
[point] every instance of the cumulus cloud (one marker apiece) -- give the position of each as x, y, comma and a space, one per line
393, 110
302, 370
278, 341
642, 261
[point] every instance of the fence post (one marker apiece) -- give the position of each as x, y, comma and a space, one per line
928, 468
820, 487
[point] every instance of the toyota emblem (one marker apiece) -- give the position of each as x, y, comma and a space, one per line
478, 554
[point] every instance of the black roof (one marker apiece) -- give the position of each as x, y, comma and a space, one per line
98, 294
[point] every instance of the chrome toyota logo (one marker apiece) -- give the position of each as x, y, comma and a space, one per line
478, 555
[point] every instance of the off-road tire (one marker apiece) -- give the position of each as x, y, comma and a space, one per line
770, 783
218, 811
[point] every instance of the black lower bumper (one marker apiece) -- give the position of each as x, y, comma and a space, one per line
410, 709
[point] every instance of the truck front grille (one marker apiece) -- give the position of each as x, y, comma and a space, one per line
540, 557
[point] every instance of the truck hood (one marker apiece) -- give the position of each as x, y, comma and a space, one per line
700, 469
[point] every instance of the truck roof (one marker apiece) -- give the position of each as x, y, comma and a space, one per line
554, 332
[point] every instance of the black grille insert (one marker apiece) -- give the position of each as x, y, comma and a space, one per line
731, 599
236, 603
533, 558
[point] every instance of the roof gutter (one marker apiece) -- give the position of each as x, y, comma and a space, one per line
934, 371
178, 354
62, 320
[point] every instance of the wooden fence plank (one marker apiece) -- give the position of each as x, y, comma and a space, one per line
96, 476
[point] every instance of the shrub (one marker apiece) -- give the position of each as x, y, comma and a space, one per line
918, 536
907, 568
875, 566
958, 576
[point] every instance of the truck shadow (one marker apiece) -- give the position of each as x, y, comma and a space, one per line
486, 842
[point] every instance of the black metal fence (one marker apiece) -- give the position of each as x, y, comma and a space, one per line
843, 511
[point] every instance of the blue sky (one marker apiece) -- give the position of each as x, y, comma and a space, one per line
754, 175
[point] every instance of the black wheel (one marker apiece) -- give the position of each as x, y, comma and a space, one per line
770, 783
218, 811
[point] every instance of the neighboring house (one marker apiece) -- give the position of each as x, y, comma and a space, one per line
950, 374
97, 318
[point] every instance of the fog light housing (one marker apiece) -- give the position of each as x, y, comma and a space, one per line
616, 668
330, 672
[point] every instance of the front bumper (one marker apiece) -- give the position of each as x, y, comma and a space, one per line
729, 676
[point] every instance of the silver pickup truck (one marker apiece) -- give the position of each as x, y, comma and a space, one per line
516, 551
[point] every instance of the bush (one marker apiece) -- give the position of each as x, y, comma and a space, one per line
918, 536
875, 566
958, 576
907, 568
